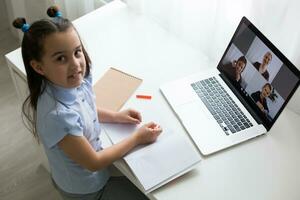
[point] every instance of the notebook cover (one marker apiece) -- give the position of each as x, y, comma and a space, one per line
114, 88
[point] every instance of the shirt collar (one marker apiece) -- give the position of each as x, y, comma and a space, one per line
64, 95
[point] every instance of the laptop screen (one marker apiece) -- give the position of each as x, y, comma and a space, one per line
261, 75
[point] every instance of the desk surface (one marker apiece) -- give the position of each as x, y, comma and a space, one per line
266, 167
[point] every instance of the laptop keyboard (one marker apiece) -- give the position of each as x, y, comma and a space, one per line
228, 115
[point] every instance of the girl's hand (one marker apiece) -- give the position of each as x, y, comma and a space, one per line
128, 116
261, 107
147, 133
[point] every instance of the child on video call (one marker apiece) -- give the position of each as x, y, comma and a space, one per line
260, 97
62, 114
235, 68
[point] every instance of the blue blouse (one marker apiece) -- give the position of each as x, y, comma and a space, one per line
62, 111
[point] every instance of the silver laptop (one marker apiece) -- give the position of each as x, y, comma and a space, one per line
239, 99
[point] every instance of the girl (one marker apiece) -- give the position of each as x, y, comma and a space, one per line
260, 97
235, 68
62, 113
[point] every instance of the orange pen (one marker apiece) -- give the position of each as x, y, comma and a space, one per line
143, 97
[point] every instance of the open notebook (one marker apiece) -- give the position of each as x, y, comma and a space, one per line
158, 163
154, 165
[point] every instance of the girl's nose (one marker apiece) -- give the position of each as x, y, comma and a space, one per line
75, 63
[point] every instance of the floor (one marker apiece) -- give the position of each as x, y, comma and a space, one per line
21, 175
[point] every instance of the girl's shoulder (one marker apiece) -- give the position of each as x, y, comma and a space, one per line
55, 97
55, 119
56, 102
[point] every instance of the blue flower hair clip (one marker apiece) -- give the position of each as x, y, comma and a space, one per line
25, 28
20, 23
53, 12
58, 14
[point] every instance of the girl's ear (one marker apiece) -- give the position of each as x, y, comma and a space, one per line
37, 67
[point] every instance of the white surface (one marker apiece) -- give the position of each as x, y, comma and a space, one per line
15, 57
263, 168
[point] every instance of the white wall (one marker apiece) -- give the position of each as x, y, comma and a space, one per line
36, 9
3, 16
209, 25
30, 9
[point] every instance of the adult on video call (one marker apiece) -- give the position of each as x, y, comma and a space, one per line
260, 97
235, 68
262, 67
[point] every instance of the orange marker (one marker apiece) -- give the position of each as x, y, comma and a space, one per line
143, 97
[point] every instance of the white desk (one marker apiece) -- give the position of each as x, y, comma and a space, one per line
263, 168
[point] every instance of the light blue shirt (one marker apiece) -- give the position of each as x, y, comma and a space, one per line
62, 111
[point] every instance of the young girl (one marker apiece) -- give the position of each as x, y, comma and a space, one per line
260, 97
63, 115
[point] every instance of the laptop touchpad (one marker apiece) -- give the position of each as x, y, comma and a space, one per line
192, 112
179, 93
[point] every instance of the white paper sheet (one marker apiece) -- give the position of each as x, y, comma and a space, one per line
160, 162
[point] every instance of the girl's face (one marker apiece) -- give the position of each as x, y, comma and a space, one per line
266, 91
63, 62
240, 65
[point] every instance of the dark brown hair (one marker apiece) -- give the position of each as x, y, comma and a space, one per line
269, 85
33, 49
244, 60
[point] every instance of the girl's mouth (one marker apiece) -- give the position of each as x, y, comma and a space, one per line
75, 75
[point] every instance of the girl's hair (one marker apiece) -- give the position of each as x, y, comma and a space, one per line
33, 49
243, 59
273, 96
268, 85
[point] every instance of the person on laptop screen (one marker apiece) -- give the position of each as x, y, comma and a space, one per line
235, 68
262, 67
260, 97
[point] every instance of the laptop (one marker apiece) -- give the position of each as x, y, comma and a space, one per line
239, 99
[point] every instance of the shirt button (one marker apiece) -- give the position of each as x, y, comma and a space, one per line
94, 120
97, 139
82, 100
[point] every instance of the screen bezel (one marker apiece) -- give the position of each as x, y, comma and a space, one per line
246, 100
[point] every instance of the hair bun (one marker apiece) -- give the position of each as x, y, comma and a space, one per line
19, 22
53, 11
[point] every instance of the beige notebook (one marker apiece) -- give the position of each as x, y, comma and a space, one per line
114, 88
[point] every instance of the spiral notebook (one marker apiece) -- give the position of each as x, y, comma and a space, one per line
114, 88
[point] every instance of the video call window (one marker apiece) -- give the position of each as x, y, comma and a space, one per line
259, 73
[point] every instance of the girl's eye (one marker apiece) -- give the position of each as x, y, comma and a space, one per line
78, 52
61, 58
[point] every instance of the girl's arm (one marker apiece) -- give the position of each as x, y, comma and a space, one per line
105, 115
79, 149
260, 105
125, 116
